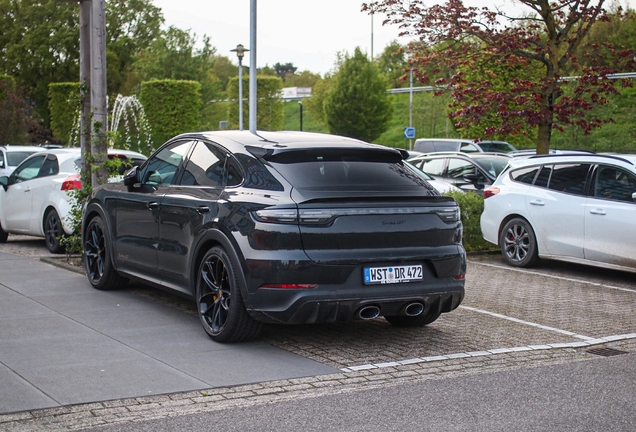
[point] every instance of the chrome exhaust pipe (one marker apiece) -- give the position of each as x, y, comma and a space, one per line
414, 309
368, 312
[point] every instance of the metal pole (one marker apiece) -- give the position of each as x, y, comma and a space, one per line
85, 76
99, 104
411, 104
301, 114
253, 99
240, 93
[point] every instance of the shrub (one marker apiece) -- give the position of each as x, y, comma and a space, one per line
472, 206
64, 106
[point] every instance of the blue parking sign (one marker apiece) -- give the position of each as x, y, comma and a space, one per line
409, 132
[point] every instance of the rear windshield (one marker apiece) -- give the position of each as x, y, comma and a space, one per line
346, 170
15, 157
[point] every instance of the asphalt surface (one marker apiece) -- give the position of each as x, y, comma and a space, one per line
72, 357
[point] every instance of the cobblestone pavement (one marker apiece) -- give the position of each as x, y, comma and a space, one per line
510, 319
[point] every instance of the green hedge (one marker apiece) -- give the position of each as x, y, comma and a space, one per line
472, 206
64, 106
172, 107
270, 110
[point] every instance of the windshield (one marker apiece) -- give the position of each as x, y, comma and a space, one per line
493, 165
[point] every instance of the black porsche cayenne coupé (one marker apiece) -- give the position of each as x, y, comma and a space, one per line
280, 227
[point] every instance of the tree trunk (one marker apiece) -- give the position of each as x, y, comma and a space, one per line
543, 138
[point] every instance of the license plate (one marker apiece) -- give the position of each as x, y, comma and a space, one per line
397, 274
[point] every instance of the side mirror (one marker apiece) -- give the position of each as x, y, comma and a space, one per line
475, 180
131, 176
4, 182
633, 195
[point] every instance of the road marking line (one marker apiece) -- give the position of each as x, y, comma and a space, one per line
492, 352
554, 277
496, 315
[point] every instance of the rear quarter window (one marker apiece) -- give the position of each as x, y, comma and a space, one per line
525, 175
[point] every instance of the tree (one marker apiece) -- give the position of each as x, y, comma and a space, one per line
283, 70
18, 120
546, 36
357, 105
40, 43
392, 64
303, 79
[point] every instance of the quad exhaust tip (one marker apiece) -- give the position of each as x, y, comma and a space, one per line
368, 312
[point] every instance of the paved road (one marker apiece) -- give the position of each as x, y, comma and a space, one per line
510, 320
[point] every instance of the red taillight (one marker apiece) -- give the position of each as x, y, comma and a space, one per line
72, 182
289, 286
491, 191
459, 277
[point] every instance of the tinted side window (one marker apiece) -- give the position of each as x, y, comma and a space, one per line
468, 148
433, 167
524, 175
206, 166
614, 183
162, 167
458, 168
569, 178
49, 167
544, 176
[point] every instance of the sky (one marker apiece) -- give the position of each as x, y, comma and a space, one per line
307, 33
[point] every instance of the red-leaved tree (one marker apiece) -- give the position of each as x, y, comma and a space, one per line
523, 62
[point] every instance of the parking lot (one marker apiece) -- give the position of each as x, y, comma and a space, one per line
509, 318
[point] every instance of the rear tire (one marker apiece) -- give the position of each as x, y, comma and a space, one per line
53, 231
518, 244
412, 321
219, 301
97, 260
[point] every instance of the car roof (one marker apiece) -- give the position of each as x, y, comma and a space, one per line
459, 154
19, 148
629, 159
276, 142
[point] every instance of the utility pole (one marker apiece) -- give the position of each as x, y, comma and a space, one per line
253, 99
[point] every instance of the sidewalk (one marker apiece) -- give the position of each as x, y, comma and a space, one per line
63, 342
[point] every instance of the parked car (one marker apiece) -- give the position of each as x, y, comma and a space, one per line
441, 186
430, 145
12, 155
578, 208
469, 172
279, 227
34, 199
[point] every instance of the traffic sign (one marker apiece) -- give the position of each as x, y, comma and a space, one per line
409, 132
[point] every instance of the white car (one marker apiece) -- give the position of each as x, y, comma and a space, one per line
34, 199
579, 208
12, 155
440, 185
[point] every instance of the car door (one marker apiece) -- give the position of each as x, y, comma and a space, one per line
610, 222
137, 223
186, 207
16, 202
42, 187
556, 207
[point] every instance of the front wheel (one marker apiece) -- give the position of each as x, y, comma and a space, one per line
412, 321
219, 301
53, 232
518, 243
97, 261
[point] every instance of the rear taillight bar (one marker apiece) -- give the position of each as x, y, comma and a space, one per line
326, 216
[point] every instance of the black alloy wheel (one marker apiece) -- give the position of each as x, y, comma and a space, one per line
99, 269
53, 232
219, 302
518, 243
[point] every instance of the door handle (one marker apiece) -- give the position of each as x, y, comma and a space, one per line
537, 202
598, 212
203, 209
153, 205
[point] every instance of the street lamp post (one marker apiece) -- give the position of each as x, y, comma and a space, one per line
300, 103
240, 52
411, 103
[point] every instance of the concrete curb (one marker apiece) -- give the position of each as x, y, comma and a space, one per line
57, 262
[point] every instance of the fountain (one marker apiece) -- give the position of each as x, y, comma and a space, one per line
129, 114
